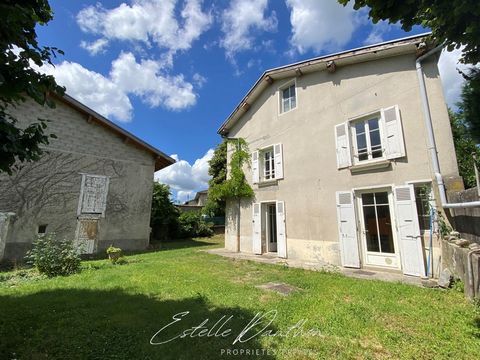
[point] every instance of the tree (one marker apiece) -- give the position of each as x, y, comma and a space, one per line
19, 49
218, 171
453, 22
164, 216
465, 149
470, 103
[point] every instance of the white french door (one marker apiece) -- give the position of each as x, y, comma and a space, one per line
378, 234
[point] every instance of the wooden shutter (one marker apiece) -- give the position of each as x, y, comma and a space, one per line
281, 233
342, 143
257, 229
278, 157
410, 241
255, 168
393, 141
347, 229
94, 194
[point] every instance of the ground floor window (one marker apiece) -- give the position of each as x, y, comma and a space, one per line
378, 224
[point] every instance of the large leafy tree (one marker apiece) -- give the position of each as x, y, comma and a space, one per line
218, 171
454, 22
19, 49
470, 103
164, 216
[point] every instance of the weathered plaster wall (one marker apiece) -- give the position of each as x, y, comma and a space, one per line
466, 221
307, 134
47, 191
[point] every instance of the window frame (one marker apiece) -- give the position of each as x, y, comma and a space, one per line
283, 87
352, 133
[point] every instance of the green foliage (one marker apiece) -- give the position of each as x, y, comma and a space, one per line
18, 49
164, 216
115, 255
218, 171
191, 224
465, 148
54, 257
236, 185
470, 103
455, 22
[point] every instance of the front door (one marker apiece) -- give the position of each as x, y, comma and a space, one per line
272, 227
378, 239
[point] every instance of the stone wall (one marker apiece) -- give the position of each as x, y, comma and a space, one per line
466, 221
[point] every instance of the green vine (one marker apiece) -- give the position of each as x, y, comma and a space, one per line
236, 185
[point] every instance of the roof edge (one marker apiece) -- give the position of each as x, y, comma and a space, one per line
161, 159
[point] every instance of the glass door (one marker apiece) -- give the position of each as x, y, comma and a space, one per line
272, 227
379, 243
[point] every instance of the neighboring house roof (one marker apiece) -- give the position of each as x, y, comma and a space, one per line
161, 159
197, 197
366, 53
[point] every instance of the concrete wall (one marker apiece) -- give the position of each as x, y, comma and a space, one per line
466, 221
307, 134
48, 191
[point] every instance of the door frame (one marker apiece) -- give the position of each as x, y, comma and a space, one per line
264, 221
361, 227
267, 227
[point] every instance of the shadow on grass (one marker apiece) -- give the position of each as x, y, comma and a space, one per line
85, 324
183, 243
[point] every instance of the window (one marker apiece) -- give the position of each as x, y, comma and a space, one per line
367, 139
288, 98
268, 165
423, 197
42, 229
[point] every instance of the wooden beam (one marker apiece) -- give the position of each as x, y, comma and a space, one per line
245, 106
299, 72
268, 79
331, 66
90, 119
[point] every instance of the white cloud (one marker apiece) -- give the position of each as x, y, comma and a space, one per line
186, 179
148, 21
241, 20
321, 25
95, 47
110, 95
452, 80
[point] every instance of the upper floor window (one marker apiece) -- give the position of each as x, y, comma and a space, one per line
367, 139
288, 98
370, 138
267, 164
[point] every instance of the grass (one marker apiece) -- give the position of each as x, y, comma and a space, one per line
112, 311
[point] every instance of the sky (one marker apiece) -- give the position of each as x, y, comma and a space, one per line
171, 71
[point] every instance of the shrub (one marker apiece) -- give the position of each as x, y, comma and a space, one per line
191, 224
54, 257
164, 218
115, 255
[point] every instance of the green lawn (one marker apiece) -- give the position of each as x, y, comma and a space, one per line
112, 312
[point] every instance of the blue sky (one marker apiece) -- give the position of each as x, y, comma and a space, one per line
171, 71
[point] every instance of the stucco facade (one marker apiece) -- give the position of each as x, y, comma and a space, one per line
311, 176
46, 196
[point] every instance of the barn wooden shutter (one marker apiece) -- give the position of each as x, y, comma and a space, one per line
257, 229
94, 194
393, 141
347, 229
281, 233
278, 156
411, 250
255, 168
342, 143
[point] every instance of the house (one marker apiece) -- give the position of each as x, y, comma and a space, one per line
195, 204
93, 184
342, 167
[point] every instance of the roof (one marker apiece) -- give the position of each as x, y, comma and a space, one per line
366, 53
161, 159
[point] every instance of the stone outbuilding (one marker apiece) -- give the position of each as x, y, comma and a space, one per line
93, 184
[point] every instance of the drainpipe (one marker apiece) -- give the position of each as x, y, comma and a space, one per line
432, 147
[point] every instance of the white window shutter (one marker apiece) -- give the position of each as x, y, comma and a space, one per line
347, 229
278, 155
342, 143
94, 194
255, 168
393, 141
410, 241
281, 233
257, 229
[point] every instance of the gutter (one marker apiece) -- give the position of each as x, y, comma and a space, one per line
432, 146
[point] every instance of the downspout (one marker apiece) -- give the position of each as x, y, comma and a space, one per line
432, 147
